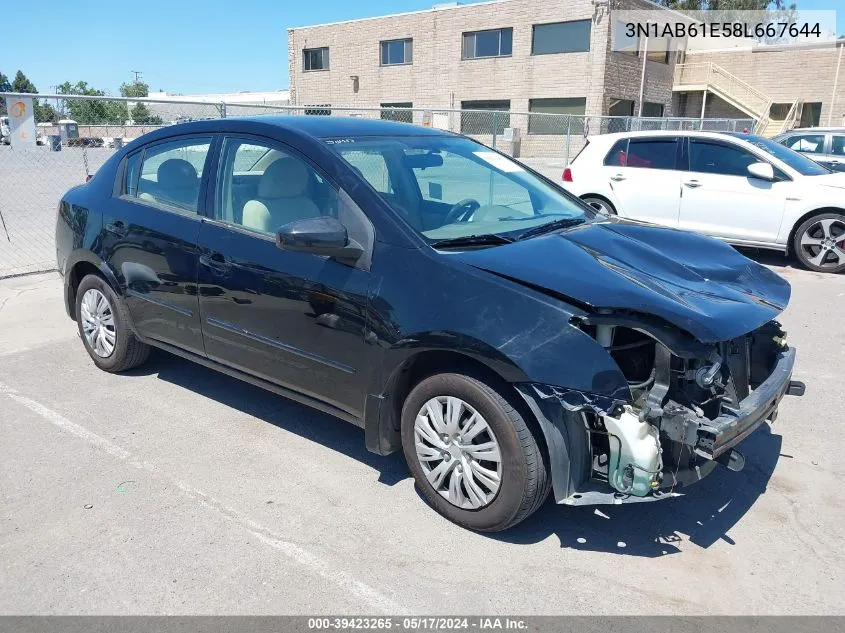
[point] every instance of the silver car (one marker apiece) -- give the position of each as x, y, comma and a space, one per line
826, 146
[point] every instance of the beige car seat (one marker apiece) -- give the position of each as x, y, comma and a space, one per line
282, 197
177, 183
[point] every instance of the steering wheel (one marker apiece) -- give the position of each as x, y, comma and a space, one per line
462, 211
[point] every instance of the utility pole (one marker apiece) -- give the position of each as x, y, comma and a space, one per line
137, 74
55, 88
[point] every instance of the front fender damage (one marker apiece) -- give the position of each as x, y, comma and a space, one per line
690, 405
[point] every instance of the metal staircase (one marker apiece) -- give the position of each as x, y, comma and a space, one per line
708, 77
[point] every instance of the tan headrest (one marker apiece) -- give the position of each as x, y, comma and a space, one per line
284, 178
175, 173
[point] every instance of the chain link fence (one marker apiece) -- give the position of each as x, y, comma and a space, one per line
33, 180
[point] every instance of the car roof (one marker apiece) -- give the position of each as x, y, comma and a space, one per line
815, 129
656, 133
315, 126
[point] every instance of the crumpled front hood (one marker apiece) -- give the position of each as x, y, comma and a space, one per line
699, 284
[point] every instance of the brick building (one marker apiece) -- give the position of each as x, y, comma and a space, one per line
547, 56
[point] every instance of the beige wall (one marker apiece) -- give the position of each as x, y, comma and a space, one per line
785, 74
439, 78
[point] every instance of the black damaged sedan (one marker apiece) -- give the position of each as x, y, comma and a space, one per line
447, 299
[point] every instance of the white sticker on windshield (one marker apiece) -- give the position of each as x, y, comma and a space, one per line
498, 161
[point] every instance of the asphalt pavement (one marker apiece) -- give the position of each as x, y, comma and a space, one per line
173, 489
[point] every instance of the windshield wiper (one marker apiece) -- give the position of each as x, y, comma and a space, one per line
486, 239
563, 223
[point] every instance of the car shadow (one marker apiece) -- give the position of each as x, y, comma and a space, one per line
279, 411
766, 257
703, 516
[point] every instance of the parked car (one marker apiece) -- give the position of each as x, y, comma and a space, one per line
740, 188
449, 300
5, 131
826, 146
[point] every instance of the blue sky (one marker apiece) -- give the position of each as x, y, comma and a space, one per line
185, 46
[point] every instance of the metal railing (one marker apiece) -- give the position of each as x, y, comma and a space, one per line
710, 76
33, 180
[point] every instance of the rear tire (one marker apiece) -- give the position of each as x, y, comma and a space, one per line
104, 327
520, 475
819, 243
600, 204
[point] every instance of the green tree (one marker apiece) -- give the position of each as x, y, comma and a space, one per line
43, 113
5, 86
727, 5
135, 89
91, 111
22, 84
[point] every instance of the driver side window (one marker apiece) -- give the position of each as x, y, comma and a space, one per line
460, 178
715, 158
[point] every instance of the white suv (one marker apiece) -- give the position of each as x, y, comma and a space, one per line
740, 188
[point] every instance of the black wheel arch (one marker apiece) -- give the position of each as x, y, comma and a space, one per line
78, 265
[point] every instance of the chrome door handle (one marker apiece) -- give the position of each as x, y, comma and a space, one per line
617, 177
692, 183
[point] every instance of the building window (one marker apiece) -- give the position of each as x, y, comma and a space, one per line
561, 37
493, 43
397, 112
315, 58
485, 117
628, 45
319, 109
659, 50
396, 52
545, 115
652, 109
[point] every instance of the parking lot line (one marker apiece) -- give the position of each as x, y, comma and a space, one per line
371, 597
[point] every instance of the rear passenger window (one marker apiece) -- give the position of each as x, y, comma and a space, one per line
617, 157
651, 153
169, 174
715, 158
837, 147
813, 143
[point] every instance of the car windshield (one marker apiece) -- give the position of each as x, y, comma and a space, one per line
798, 162
450, 187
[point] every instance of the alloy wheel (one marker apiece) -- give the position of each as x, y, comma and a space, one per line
98, 323
458, 452
823, 243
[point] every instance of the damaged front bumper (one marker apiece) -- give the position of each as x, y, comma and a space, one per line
604, 450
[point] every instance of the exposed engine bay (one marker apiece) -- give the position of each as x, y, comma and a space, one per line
690, 404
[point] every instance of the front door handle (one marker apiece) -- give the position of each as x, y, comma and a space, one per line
215, 262
617, 177
117, 227
692, 184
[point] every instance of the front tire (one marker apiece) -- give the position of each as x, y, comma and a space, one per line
819, 243
472, 454
600, 204
103, 327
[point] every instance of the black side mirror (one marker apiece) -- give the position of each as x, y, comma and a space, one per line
319, 236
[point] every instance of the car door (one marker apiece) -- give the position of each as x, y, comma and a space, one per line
812, 145
291, 318
720, 198
643, 174
149, 237
836, 153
